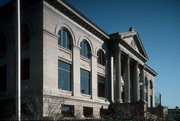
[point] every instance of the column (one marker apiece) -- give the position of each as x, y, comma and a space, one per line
112, 78
127, 79
118, 74
76, 71
153, 94
94, 77
142, 87
136, 82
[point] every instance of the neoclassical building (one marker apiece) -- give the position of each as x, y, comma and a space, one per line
65, 55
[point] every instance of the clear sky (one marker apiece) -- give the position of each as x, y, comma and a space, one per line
158, 24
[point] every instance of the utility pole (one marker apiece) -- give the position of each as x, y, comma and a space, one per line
18, 94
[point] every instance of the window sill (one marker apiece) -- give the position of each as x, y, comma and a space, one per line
64, 49
101, 66
102, 98
85, 59
86, 95
65, 91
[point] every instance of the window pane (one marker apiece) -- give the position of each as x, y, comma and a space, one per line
65, 39
85, 49
24, 33
101, 86
25, 69
3, 44
64, 76
85, 82
101, 57
3, 78
67, 110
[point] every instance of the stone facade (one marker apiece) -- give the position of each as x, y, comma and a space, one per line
127, 77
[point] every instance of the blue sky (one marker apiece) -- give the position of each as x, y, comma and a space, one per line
158, 24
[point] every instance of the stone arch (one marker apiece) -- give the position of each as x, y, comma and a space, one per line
101, 56
98, 48
90, 43
59, 26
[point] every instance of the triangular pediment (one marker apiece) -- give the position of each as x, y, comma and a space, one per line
133, 40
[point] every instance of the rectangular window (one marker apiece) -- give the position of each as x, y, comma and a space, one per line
25, 69
85, 82
64, 76
67, 110
3, 78
101, 86
87, 111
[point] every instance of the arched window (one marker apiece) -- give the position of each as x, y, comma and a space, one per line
85, 49
25, 33
65, 39
3, 42
101, 57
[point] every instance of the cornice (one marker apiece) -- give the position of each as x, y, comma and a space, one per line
77, 17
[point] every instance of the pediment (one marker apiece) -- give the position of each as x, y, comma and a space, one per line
133, 40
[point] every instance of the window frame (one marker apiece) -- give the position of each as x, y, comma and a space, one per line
102, 82
25, 34
68, 41
85, 50
25, 75
4, 82
89, 81
101, 57
69, 73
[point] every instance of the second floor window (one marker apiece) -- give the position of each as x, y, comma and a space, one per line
3, 44
3, 78
25, 69
101, 57
25, 33
85, 82
64, 76
101, 86
85, 49
65, 39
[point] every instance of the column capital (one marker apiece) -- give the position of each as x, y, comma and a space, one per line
117, 48
76, 46
95, 56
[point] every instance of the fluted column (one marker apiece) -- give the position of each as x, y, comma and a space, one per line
112, 78
136, 82
118, 74
127, 79
142, 87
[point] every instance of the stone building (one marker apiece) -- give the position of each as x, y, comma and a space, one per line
66, 55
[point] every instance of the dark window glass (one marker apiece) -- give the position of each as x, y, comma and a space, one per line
67, 110
65, 39
151, 99
85, 49
3, 43
25, 33
85, 81
87, 111
151, 85
64, 76
25, 69
3, 78
101, 89
101, 57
